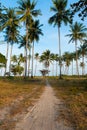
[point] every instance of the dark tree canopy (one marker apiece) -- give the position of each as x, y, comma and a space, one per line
81, 8
2, 59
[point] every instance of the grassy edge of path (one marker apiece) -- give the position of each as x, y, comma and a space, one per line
73, 94
16, 97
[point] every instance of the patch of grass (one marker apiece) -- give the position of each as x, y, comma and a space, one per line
17, 94
74, 95
12, 89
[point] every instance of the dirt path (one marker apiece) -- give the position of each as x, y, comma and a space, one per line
43, 115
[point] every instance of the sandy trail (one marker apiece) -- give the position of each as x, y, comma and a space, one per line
43, 115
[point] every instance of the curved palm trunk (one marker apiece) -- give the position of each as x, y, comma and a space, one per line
59, 53
10, 59
77, 69
32, 60
6, 57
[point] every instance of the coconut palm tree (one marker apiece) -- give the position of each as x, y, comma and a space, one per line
72, 57
12, 35
82, 65
37, 58
11, 25
56, 59
83, 51
23, 44
77, 33
53, 59
61, 15
2, 61
34, 33
67, 60
46, 59
16, 67
14, 59
26, 10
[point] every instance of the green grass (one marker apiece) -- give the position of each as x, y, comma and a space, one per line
74, 95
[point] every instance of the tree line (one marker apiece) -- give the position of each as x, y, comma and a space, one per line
26, 13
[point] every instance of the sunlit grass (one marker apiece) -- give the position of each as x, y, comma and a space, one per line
74, 95
10, 89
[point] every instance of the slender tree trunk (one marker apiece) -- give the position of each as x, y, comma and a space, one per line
56, 67
77, 69
10, 59
53, 68
6, 57
72, 66
24, 61
29, 62
32, 60
26, 50
65, 70
48, 70
35, 68
59, 53
83, 65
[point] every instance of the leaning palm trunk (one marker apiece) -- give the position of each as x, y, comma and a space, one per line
32, 60
59, 53
10, 59
6, 57
76, 58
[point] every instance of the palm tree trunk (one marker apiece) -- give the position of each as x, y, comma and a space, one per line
6, 57
76, 58
35, 68
59, 53
53, 68
32, 60
10, 59
83, 65
24, 61
26, 50
29, 62
65, 70
72, 66
56, 67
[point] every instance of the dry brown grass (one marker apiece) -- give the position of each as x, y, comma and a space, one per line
16, 96
14, 88
74, 96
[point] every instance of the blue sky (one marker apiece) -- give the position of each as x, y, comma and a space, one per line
50, 38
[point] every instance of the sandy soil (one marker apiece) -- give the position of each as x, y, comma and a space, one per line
43, 116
